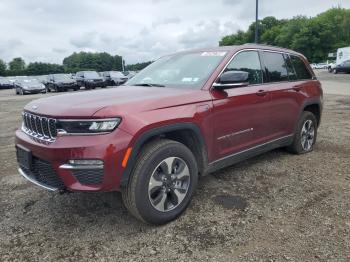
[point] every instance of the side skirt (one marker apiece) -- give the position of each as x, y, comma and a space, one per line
249, 153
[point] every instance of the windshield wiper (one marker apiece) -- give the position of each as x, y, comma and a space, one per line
148, 84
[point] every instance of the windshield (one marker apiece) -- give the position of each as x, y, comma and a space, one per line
61, 77
91, 74
188, 70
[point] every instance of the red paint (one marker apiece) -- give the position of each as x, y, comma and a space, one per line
270, 110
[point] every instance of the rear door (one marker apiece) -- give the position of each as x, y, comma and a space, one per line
241, 114
288, 77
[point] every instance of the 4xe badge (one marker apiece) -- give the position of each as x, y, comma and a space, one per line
34, 107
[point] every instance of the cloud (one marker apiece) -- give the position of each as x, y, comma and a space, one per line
138, 30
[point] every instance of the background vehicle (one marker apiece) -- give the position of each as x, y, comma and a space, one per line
89, 79
182, 117
26, 85
114, 78
343, 54
129, 74
61, 83
343, 67
5, 83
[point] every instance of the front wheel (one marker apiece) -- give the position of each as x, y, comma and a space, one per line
306, 134
162, 183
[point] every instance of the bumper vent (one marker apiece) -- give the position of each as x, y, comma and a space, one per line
89, 177
43, 173
41, 128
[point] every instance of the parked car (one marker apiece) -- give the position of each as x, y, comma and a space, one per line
89, 79
44, 79
114, 78
319, 66
184, 116
129, 74
5, 83
24, 85
61, 83
344, 67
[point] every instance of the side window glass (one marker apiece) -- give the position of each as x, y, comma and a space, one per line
290, 69
300, 68
275, 67
247, 61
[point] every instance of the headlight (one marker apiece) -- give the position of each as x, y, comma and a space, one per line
82, 126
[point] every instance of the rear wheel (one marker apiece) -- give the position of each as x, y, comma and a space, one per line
162, 183
306, 134
335, 71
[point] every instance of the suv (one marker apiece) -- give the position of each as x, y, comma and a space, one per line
89, 79
184, 116
114, 78
61, 83
342, 68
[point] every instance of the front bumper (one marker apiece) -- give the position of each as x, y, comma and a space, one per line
51, 170
34, 91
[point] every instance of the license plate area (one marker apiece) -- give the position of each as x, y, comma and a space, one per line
24, 157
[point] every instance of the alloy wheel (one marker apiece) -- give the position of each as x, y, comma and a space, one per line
169, 184
307, 135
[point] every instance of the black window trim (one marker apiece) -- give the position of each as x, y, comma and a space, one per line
264, 74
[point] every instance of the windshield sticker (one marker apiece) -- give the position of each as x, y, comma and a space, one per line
214, 53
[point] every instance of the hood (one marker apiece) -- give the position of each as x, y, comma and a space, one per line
116, 101
32, 85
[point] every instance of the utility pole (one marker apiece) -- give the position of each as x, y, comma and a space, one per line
123, 65
256, 21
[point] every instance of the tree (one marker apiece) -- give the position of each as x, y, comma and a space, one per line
92, 61
38, 68
2, 68
17, 64
315, 37
138, 66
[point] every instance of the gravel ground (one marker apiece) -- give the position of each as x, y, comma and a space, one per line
275, 207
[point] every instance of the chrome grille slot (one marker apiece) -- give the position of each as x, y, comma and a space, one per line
38, 127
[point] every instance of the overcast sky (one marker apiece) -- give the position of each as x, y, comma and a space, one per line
49, 30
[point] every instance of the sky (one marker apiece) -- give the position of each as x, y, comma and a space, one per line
49, 30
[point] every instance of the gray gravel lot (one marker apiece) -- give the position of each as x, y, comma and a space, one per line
275, 207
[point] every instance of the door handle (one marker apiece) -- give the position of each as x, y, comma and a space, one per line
261, 93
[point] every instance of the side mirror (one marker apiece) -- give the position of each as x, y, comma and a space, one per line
232, 79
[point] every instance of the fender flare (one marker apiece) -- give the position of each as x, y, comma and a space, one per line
145, 136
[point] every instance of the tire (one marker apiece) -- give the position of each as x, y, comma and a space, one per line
301, 138
136, 196
21, 92
335, 71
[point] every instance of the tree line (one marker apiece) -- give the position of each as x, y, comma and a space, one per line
315, 37
76, 62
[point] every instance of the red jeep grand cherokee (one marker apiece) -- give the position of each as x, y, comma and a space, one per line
184, 116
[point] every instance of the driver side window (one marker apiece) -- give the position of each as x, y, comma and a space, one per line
247, 61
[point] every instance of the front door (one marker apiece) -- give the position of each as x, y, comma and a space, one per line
241, 114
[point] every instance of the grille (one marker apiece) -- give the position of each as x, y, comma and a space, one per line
89, 177
43, 172
42, 128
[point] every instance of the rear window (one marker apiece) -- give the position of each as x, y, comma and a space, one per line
300, 68
275, 67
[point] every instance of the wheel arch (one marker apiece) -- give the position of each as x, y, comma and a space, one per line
188, 134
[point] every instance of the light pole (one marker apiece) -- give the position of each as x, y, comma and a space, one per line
256, 21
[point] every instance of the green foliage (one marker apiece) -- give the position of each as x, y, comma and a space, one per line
315, 37
17, 66
2, 68
38, 68
138, 66
92, 61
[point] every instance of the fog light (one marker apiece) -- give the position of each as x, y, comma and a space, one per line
85, 162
